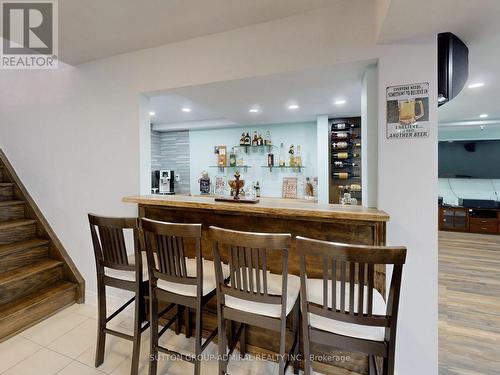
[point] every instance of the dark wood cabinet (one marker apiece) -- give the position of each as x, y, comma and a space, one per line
461, 219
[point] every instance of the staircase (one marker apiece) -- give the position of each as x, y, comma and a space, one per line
37, 277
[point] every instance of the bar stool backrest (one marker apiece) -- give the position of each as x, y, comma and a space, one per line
247, 256
353, 266
164, 245
109, 242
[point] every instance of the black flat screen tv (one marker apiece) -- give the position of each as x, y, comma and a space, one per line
469, 159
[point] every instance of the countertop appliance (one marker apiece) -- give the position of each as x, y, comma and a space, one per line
164, 181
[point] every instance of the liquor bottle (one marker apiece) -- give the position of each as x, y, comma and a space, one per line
343, 135
343, 126
248, 140
242, 139
298, 157
260, 140
282, 155
257, 189
291, 159
344, 164
345, 155
270, 160
267, 140
343, 175
239, 158
255, 139
232, 158
352, 187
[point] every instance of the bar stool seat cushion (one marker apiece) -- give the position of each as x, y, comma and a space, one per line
129, 275
273, 287
209, 282
315, 295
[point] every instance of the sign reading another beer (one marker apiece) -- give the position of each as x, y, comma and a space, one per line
408, 111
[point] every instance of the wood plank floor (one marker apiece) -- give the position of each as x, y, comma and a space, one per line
469, 304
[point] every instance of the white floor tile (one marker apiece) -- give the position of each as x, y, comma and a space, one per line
77, 341
77, 368
14, 350
117, 351
52, 328
42, 362
85, 309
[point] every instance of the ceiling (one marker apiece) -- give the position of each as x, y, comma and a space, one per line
94, 29
228, 103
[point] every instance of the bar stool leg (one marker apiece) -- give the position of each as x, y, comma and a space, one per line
188, 320
221, 336
305, 338
296, 330
282, 360
101, 322
199, 329
153, 312
243, 340
137, 332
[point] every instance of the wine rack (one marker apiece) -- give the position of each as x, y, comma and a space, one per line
345, 158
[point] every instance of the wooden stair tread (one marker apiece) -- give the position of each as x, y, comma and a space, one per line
16, 223
20, 314
23, 245
11, 203
30, 270
6, 184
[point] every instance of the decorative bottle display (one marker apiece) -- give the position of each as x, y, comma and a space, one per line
243, 139
282, 155
345, 151
257, 189
239, 158
260, 140
298, 157
204, 183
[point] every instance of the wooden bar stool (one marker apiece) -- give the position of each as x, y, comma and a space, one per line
254, 296
343, 309
118, 268
177, 279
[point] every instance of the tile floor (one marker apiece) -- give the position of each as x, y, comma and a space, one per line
64, 344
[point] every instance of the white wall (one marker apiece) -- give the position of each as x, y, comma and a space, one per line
202, 142
323, 144
73, 137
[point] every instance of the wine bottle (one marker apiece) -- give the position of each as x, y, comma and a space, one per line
248, 140
344, 126
344, 144
282, 155
255, 138
344, 155
343, 135
344, 164
343, 175
270, 160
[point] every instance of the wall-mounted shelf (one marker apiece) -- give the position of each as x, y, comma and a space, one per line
228, 167
297, 168
247, 148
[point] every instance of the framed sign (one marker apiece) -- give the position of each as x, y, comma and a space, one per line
220, 185
289, 187
408, 111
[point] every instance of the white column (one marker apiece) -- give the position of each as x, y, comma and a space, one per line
369, 137
145, 145
407, 191
323, 159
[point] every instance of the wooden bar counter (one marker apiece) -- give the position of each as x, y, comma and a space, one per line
349, 224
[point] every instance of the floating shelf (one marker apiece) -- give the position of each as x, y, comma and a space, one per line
224, 167
255, 148
298, 167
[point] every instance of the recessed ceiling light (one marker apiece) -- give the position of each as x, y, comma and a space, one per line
254, 110
476, 85
186, 109
151, 113
483, 115
293, 106
340, 102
